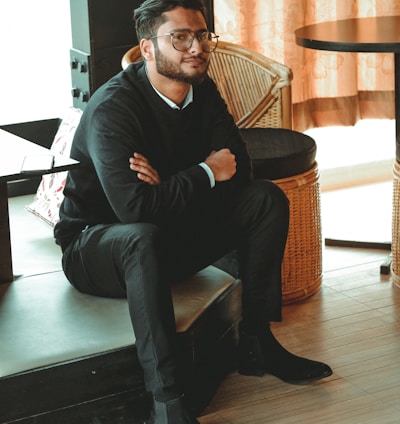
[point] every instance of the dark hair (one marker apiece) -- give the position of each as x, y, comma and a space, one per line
148, 17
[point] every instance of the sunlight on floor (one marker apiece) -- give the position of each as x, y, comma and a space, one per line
370, 140
360, 212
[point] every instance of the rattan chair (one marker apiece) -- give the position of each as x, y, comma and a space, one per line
395, 265
257, 91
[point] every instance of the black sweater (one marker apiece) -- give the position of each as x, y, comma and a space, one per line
125, 116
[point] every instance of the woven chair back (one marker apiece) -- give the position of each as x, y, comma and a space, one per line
256, 89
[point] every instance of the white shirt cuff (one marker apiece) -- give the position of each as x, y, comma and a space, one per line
209, 173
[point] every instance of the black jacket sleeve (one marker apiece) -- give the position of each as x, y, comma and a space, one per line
126, 116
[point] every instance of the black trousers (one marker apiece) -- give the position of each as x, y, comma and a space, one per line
140, 260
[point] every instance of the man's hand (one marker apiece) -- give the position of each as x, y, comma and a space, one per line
145, 171
222, 163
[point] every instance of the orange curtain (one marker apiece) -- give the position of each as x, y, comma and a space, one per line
329, 88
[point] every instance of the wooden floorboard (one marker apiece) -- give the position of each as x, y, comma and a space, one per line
353, 324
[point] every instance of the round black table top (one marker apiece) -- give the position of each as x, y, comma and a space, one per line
375, 35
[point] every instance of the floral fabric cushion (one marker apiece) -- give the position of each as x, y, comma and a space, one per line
49, 194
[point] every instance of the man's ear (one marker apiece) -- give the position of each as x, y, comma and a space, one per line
147, 49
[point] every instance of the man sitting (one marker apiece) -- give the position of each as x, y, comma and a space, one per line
185, 198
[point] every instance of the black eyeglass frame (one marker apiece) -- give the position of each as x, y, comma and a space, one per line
199, 35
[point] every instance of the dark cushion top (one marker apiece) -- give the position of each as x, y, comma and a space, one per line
279, 153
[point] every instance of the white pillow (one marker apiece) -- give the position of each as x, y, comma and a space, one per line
49, 194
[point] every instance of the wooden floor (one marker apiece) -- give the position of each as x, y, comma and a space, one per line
352, 324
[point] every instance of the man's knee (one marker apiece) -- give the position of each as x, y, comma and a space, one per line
137, 252
140, 236
265, 192
262, 204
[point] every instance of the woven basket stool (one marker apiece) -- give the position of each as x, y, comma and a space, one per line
396, 225
288, 158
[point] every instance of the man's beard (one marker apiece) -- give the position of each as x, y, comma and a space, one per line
171, 70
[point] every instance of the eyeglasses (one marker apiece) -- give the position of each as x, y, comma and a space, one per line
183, 40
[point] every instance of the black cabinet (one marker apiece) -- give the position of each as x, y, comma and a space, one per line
102, 31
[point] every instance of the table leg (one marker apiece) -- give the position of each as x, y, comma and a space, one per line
6, 272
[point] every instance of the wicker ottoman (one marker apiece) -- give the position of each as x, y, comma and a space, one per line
288, 158
396, 224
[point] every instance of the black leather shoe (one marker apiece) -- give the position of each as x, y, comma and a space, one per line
305, 371
254, 359
170, 412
